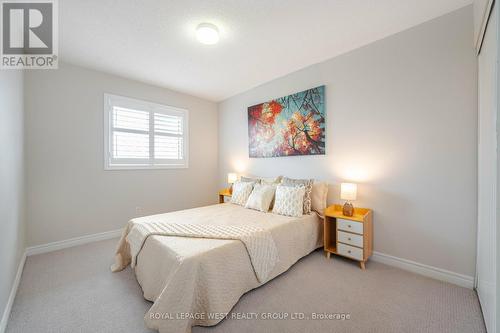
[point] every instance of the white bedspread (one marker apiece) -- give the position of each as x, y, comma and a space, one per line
192, 281
258, 242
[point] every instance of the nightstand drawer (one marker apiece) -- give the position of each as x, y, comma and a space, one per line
351, 239
350, 251
350, 226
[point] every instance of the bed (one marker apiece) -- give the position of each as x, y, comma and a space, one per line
197, 281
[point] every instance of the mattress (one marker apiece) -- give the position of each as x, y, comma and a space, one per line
196, 281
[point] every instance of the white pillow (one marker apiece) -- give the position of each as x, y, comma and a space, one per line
261, 197
319, 195
289, 200
241, 192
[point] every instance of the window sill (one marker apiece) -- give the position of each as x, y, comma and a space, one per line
144, 167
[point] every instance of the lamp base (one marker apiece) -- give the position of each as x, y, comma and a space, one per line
348, 209
230, 188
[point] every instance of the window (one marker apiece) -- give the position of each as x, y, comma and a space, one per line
144, 135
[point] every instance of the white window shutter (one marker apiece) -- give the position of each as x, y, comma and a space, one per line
142, 135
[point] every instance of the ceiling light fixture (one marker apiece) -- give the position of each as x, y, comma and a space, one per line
207, 33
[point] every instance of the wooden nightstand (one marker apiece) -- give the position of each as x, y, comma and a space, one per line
349, 236
224, 193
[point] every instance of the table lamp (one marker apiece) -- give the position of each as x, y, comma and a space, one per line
348, 193
231, 179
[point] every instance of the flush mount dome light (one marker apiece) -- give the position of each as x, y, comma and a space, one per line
207, 33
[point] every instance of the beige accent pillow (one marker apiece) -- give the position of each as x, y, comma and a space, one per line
241, 192
262, 180
271, 181
249, 179
319, 195
261, 197
307, 183
289, 200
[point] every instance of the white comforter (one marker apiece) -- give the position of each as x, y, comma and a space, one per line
195, 281
259, 243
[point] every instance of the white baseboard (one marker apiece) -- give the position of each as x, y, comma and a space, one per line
12, 295
426, 270
59, 245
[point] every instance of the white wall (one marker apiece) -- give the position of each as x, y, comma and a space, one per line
12, 241
401, 122
70, 194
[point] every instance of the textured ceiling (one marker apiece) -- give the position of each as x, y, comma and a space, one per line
153, 40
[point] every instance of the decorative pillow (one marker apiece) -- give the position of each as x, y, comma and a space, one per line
271, 181
261, 197
250, 179
318, 197
307, 183
241, 192
275, 181
289, 200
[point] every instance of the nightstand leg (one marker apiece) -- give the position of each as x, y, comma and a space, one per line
328, 255
362, 264
221, 199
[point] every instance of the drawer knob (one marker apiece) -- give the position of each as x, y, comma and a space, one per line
348, 225
349, 238
349, 251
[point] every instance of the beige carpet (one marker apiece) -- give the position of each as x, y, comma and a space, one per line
73, 290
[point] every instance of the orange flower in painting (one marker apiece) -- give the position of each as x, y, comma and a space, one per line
270, 111
275, 107
264, 113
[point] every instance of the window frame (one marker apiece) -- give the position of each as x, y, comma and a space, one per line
110, 163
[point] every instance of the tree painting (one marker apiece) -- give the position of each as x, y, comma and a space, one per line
287, 126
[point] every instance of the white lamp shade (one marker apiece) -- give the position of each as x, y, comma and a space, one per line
348, 191
231, 178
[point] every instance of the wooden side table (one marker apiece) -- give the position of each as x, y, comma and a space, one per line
224, 193
349, 236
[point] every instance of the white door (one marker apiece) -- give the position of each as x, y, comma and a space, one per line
487, 173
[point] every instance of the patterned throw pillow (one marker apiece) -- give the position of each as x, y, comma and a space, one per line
261, 197
289, 200
307, 183
241, 192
